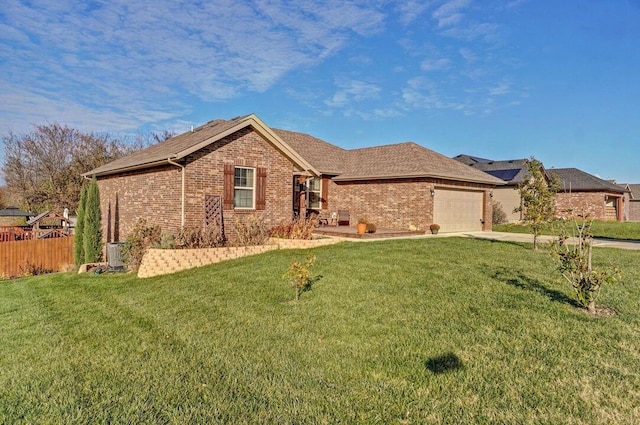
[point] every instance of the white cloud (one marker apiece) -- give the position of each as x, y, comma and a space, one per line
449, 13
411, 10
469, 55
353, 91
435, 64
501, 89
485, 31
126, 57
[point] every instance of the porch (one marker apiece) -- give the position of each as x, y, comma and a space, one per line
352, 232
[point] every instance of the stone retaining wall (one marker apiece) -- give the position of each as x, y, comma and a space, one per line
158, 262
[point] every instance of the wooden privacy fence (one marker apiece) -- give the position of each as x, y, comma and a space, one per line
48, 254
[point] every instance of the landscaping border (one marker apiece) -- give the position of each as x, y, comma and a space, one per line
157, 262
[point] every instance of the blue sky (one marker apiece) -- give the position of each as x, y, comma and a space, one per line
558, 80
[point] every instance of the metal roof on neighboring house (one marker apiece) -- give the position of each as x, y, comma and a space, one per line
512, 171
573, 179
470, 160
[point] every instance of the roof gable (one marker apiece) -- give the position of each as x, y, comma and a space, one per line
634, 191
180, 146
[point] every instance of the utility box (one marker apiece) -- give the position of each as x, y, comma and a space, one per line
114, 256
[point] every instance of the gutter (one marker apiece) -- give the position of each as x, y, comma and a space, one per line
170, 161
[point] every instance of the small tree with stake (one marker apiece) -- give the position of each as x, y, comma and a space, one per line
299, 274
538, 198
574, 262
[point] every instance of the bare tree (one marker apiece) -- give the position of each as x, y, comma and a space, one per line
43, 169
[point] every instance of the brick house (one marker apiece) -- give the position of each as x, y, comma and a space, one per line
229, 170
513, 172
631, 201
582, 192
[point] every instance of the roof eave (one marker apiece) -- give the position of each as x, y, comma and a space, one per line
129, 168
416, 176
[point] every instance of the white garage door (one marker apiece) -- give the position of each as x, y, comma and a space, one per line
458, 210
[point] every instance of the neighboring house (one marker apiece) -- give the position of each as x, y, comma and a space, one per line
632, 201
49, 225
512, 172
582, 192
14, 216
225, 171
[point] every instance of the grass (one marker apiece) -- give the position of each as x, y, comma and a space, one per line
442, 331
628, 230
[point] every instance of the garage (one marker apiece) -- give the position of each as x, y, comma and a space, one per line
458, 210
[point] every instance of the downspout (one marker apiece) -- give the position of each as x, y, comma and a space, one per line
183, 185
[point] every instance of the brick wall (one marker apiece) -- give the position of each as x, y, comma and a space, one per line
155, 194
591, 203
152, 194
244, 148
397, 203
634, 211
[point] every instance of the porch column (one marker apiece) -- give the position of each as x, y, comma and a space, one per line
620, 209
303, 197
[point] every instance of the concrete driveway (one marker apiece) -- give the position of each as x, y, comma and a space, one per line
525, 237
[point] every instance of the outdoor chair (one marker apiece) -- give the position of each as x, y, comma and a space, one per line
343, 218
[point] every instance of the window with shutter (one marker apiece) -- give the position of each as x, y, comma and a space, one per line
229, 171
244, 188
261, 188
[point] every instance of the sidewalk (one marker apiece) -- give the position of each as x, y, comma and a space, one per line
496, 236
543, 239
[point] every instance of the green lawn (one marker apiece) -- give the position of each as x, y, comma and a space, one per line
446, 330
628, 230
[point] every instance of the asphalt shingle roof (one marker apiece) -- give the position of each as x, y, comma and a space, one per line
407, 160
403, 160
635, 191
170, 148
327, 158
14, 212
572, 179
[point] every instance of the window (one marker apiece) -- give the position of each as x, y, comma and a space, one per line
315, 192
243, 187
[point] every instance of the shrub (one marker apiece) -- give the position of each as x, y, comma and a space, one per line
498, 216
250, 230
299, 275
371, 228
139, 240
200, 237
92, 232
434, 226
299, 228
167, 241
32, 269
574, 260
78, 243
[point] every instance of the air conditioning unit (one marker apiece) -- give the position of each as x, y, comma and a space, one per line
114, 256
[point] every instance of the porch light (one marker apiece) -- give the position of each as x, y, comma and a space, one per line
433, 192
